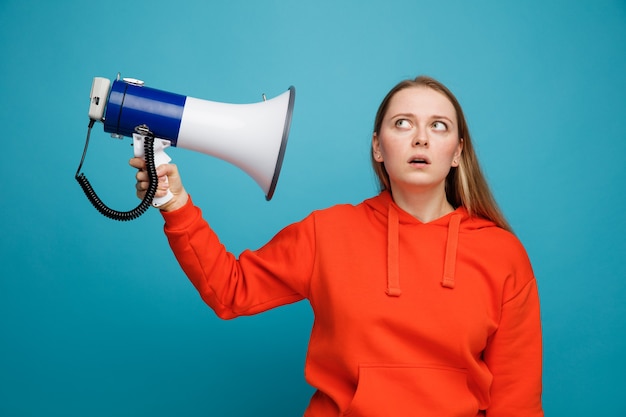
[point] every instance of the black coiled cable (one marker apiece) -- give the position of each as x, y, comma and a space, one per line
147, 200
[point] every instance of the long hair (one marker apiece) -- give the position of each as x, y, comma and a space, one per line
465, 185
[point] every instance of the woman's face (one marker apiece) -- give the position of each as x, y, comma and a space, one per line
418, 140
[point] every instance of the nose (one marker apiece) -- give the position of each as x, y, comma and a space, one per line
421, 137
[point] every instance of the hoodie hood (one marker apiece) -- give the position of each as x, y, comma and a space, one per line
456, 222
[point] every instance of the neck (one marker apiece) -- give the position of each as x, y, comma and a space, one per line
424, 205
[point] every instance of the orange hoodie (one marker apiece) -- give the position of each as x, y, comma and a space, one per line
411, 319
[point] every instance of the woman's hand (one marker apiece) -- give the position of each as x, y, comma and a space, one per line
168, 179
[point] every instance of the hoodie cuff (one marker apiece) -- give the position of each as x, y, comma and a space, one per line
181, 217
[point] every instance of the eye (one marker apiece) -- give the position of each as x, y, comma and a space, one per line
439, 126
403, 123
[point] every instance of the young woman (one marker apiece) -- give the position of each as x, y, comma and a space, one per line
425, 303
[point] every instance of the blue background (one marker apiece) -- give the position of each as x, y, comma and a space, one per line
96, 318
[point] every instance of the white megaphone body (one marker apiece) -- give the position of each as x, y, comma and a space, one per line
252, 137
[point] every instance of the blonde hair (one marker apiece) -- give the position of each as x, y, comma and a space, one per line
466, 185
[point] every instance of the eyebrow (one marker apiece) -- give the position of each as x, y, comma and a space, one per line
443, 117
434, 116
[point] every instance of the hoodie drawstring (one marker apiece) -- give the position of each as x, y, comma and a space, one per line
393, 261
451, 245
393, 273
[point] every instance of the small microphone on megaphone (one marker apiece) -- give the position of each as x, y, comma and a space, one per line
252, 137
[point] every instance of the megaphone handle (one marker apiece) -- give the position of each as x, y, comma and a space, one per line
160, 158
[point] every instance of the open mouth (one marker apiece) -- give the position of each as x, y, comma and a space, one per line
419, 161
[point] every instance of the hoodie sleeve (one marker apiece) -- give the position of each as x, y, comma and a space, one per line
514, 352
274, 275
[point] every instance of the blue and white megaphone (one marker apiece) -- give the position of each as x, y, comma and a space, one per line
252, 137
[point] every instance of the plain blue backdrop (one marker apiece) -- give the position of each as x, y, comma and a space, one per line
96, 318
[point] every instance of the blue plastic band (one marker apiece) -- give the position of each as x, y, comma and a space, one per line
131, 105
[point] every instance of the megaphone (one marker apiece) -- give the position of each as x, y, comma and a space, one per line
252, 137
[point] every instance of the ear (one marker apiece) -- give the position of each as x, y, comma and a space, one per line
378, 156
457, 155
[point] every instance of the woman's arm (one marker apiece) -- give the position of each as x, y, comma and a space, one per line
274, 275
514, 356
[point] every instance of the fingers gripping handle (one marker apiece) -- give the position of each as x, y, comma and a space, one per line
160, 158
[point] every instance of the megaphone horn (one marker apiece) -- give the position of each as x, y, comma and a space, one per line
252, 137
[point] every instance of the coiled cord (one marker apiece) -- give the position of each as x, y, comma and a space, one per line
147, 200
